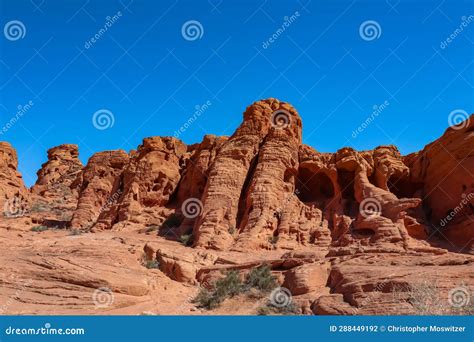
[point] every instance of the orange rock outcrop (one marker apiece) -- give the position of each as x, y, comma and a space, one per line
339, 230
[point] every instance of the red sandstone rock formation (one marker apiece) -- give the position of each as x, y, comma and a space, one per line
262, 189
100, 187
231, 174
59, 172
195, 175
148, 182
340, 230
443, 174
14, 196
56, 188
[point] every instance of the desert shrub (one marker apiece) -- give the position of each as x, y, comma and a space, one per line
273, 240
152, 228
186, 239
75, 231
270, 309
264, 310
39, 228
231, 230
426, 298
152, 264
207, 299
229, 286
261, 278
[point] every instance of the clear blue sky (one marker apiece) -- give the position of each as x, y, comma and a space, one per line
151, 78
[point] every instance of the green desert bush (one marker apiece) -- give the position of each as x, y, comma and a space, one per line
259, 278
271, 309
39, 228
273, 240
152, 264
207, 299
152, 228
186, 239
229, 286
427, 298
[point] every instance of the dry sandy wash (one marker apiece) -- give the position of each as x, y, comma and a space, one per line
142, 232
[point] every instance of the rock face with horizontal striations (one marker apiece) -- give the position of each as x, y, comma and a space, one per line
230, 177
194, 177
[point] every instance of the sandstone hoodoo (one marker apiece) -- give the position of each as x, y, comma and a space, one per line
56, 185
13, 193
348, 232
100, 182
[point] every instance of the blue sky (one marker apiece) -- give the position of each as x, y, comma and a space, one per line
150, 78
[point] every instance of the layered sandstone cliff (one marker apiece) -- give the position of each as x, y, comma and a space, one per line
443, 174
262, 188
339, 230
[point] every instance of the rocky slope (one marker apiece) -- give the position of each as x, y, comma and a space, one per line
342, 232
